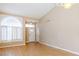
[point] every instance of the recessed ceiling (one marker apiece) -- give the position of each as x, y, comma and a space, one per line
34, 10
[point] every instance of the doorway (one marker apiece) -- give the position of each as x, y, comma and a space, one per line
31, 29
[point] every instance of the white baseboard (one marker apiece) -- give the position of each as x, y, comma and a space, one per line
73, 52
12, 45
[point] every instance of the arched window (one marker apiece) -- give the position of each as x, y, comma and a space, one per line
11, 29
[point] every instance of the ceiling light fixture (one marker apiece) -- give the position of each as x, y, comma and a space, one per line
67, 5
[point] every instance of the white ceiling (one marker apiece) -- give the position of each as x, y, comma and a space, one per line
34, 10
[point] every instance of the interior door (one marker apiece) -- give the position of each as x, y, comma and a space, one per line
31, 34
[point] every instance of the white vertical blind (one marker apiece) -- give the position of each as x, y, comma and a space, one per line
11, 30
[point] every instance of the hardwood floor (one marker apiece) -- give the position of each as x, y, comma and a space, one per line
32, 49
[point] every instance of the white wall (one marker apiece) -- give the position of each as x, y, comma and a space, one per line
61, 28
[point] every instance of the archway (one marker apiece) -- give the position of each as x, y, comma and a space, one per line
11, 29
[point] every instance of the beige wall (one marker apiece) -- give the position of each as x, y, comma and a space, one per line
61, 28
